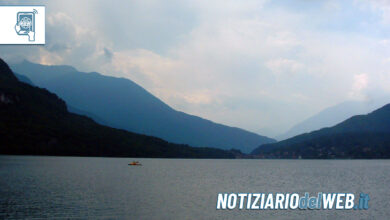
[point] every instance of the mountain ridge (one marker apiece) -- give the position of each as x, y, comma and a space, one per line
34, 121
361, 136
126, 105
331, 116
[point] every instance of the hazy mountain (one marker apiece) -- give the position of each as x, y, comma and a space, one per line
333, 115
362, 136
121, 103
71, 109
23, 78
34, 121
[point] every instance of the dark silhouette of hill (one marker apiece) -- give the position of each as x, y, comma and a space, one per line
34, 121
361, 136
333, 115
123, 104
23, 78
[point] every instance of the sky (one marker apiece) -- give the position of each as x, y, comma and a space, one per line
260, 65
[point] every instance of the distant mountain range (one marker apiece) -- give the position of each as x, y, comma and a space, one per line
34, 121
37, 122
333, 115
121, 103
361, 136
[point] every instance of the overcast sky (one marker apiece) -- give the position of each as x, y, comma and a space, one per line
259, 65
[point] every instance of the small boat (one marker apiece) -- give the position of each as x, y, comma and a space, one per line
135, 163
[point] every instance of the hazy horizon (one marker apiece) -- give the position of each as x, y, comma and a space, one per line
259, 65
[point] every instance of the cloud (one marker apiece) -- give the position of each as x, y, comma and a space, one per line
108, 53
383, 6
360, 83
259, 65
286, 66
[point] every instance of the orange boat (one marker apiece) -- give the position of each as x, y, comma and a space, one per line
135, 163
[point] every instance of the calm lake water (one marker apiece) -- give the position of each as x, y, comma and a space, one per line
75, 187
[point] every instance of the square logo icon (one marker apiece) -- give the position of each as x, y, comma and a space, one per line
22, 24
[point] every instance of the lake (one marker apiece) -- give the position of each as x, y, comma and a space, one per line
77, 187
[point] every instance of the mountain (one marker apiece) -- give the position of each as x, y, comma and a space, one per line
24, 79
123, 104
332, 116
34, 121
361, 136
72, 109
